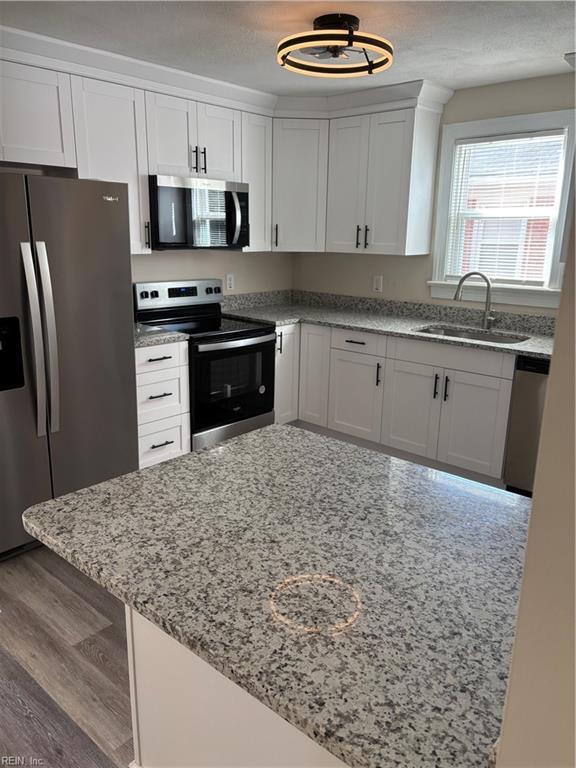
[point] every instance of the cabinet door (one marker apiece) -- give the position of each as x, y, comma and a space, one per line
110, 129
356, 386
347, 170
172, 135
287, 373
257, 172
474, 421
314, 374
411, 410
388, 181
300, 182
220, 143
36, 124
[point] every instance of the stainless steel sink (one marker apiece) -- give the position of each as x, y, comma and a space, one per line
476, 334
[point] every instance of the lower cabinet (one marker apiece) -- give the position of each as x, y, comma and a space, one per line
473, 421
287, 373
162, 440
356, 392
314, 374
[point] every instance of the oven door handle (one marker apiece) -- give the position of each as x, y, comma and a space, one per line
238, 217
236, 343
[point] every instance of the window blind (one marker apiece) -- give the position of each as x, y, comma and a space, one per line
504, 202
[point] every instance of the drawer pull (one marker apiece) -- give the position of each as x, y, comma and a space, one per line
352, 341
156, 397
157, 359
161, 445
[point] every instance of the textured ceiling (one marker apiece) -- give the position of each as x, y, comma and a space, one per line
457, 44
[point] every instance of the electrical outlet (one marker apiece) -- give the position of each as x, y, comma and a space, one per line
230, 281
377, 283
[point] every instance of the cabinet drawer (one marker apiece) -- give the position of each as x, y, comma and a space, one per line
359, 341
157, 357
161, 394
162, 440
500, 364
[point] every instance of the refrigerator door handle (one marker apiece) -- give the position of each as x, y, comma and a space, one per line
51, 335
37, 341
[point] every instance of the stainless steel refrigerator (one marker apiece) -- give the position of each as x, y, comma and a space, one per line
67, 376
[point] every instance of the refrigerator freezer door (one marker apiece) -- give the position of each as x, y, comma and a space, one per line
81, 237
24, 461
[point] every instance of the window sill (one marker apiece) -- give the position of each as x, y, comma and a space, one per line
501, 294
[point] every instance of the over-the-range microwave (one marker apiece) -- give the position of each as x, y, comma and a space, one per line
198, 213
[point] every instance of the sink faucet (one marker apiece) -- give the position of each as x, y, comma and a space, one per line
488, 318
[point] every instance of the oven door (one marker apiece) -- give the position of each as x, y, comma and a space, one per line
231, 381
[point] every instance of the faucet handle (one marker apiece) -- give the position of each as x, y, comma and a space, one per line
489, 320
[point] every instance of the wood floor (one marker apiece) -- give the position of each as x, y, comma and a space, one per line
64, 693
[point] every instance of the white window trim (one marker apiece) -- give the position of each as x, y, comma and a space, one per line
500, 126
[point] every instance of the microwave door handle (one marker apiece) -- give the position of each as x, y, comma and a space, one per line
238, 218
51, 335
37, 341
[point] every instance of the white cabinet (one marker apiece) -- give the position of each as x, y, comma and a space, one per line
314, 374
172, 135
287, 373
257, 172
381, 182
110, 129
356, 391
300, 182
36, 124
411, 412
188, 138
163, 399
474, 421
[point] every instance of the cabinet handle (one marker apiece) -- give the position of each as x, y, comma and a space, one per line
358, 230
205, 168
195, 152
281, 338
352, 341
276, 235
157, 397
436, 380
157, 359
147, 234
161, 445
446, 380
378, 367
366, 230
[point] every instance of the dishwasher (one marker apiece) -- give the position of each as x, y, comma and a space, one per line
526, 410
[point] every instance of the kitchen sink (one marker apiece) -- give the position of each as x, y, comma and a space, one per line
477, 334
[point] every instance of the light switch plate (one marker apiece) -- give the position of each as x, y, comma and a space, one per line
377, 283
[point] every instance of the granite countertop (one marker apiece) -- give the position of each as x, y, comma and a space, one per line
391, 325
151, 335
416, 618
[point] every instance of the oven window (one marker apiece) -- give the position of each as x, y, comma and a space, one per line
230, 385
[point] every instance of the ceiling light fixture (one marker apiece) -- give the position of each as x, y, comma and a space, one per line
335, 48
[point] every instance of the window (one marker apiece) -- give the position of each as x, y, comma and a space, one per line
502, 203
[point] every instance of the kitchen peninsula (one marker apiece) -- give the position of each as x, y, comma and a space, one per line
303, 600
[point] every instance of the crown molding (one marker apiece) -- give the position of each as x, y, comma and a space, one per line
23, 47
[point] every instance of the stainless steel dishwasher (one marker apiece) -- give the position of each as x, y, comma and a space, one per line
526, 409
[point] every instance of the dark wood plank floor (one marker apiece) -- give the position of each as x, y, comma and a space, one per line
64, 692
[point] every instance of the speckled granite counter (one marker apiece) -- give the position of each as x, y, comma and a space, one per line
391, 325
150, 336
198, 544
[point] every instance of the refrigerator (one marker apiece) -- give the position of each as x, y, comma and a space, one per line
67, 374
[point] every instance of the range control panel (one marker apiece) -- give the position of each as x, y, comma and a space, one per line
177, 294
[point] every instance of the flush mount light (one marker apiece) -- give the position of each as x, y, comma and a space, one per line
335, 48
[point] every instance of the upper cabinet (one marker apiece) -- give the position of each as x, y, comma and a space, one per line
300, 180
110, 132
381, 182
186, 138
36, 124
257, 173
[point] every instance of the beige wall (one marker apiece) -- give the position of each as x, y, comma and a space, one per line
538, 728
405, 277
252, 271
